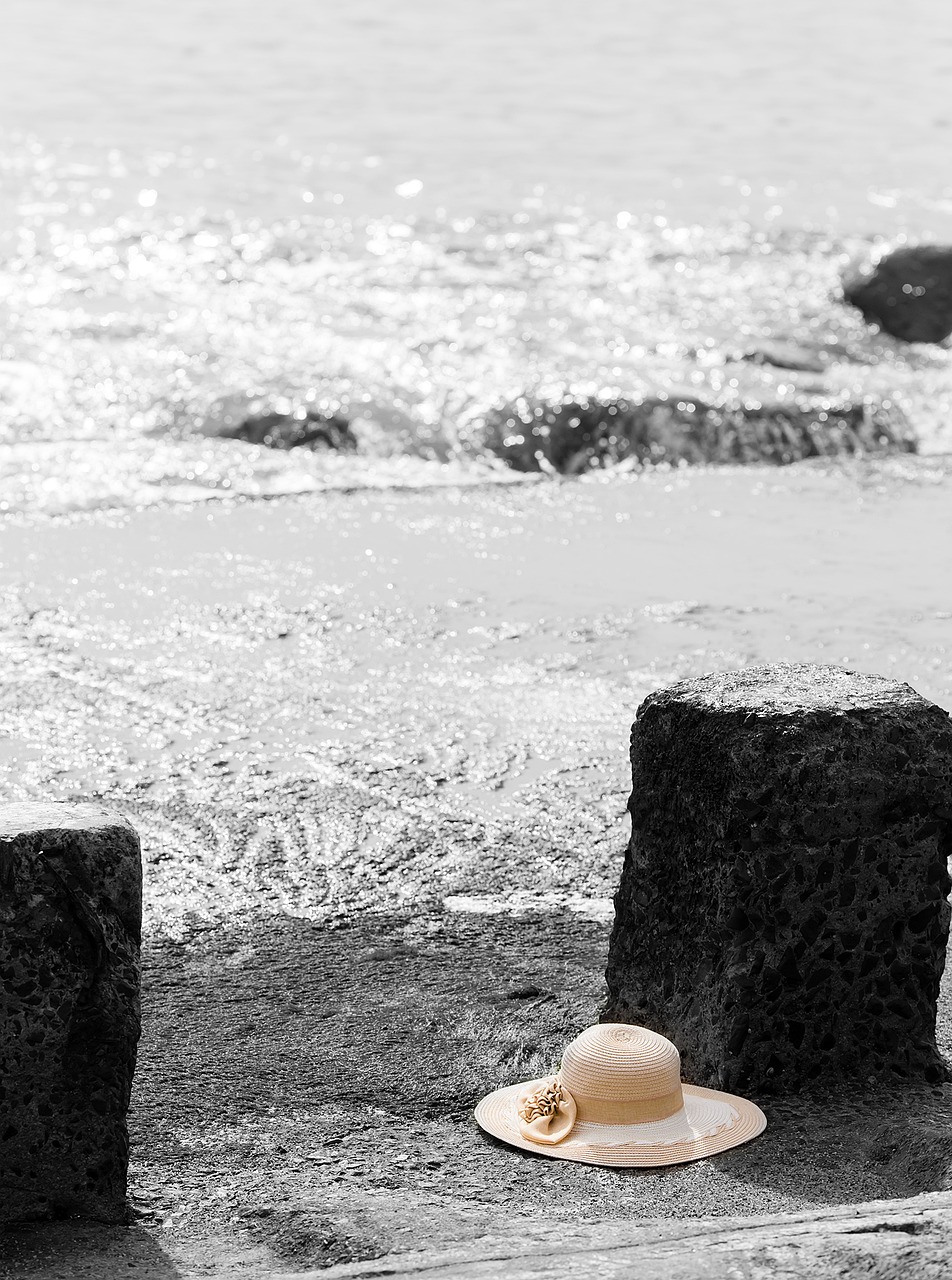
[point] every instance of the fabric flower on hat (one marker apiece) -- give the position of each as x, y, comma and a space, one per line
546, 1111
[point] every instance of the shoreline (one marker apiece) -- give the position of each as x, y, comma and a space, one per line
412, 655
333, 477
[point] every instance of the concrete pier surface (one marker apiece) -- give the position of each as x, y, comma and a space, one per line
376, 748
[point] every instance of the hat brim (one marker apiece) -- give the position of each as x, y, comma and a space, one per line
710, 1122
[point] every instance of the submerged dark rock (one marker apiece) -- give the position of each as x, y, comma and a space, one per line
783, 914
572, 435
279, 424
70, 919
908, 294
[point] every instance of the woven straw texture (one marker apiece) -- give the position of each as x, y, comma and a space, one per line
632, 1108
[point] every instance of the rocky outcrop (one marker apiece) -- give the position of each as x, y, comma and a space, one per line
279, 423
70, 919
908, 293
782, 914
571, 436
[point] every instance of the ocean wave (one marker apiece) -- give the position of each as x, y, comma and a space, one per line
137, 350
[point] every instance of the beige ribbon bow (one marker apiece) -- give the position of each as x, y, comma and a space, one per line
546, 1112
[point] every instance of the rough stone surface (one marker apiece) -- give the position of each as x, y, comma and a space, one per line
572, 436
908, 293
879, 1241
70, 916
782, 912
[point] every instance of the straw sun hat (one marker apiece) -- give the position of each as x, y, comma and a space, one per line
618, 1100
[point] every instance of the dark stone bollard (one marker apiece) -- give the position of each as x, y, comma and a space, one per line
782, 912
70, 919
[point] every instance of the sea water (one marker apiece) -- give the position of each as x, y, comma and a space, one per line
410, 213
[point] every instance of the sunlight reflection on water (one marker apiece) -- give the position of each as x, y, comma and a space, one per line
408, 215
142, 330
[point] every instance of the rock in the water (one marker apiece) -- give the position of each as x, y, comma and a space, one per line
908, 293
782, 914
571, 436
70, 920
279, 423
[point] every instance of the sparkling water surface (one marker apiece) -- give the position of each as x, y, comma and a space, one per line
620, 104
407, 214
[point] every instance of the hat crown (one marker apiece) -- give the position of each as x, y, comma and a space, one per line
617, 1062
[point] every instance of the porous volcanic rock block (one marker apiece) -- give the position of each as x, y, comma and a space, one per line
782, 912
70, 918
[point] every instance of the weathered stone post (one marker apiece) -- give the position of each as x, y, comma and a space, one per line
70, 919
782, 914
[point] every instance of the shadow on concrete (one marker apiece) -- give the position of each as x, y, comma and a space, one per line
301, 1063
74, 1250
850, 1147
858, 1142
304, 1099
